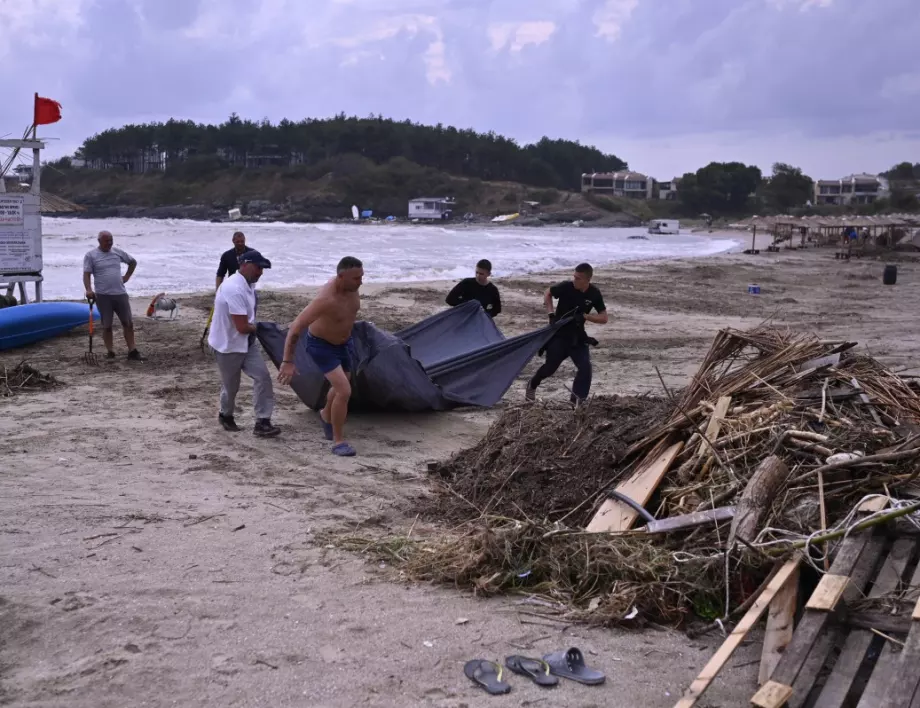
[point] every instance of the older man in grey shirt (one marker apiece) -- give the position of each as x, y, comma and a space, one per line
103, 264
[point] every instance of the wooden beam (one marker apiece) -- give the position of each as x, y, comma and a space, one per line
828, 592
23, 144
715, 424
724, 653
772, 695
780, 625
689, 521
614, 515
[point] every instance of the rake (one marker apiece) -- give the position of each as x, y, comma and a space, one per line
90, 357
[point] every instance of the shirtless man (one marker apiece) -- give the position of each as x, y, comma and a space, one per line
329, 320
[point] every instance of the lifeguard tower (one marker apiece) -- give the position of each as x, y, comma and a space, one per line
20, 212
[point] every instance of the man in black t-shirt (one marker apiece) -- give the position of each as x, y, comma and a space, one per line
576, 297
478, 288
229, 260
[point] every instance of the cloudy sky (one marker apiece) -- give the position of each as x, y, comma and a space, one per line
668, 85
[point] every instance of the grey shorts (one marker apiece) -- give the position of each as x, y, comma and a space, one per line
111, 305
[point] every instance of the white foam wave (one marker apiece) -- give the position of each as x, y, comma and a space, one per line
181, 256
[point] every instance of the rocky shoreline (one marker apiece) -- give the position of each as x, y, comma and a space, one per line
292, 212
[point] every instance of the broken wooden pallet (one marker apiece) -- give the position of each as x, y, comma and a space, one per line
840, 658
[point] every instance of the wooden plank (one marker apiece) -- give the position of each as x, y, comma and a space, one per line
772, 695
882, 621
814, 622
904, 683
715, 424
841, 678
689, 521
614, 515
886, 668
780, 625
828, 593
731, 643
915, 615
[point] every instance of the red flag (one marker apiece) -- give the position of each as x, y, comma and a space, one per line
46, 111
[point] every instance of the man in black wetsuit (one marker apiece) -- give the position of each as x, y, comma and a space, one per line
229, 260
576, 297
478, 288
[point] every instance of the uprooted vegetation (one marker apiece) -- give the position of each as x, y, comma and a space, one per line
22, 378
773, 428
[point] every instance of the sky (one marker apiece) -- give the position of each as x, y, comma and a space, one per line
831, 86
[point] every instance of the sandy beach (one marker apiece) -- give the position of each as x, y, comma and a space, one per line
150, 559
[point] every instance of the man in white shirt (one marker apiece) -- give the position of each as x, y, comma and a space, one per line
233, 339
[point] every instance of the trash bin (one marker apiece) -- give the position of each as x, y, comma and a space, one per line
890, 275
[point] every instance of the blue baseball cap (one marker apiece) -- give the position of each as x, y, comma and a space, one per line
254, 256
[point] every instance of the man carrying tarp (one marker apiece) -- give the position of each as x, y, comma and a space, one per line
576, 297
329, 321
478, 288
233, 339
230, 260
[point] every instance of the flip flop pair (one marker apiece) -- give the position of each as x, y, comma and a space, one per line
568, 663
343, 449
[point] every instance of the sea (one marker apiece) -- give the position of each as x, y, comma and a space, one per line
178, 256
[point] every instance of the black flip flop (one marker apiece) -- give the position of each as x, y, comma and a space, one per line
535, 669
570, 664
487, 675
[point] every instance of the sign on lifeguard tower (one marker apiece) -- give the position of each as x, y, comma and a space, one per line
20, 234
20, 212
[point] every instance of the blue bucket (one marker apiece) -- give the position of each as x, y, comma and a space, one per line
753, 290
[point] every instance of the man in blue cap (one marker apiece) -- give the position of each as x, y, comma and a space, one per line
233, 339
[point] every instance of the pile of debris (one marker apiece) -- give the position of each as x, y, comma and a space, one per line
541, 461
24, 377
772, 448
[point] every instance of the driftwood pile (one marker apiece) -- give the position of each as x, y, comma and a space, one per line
24, 377
772, 445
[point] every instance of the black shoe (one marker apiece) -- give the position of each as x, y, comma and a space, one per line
135, 355
110, 355
530, 394
228, 422
264, 428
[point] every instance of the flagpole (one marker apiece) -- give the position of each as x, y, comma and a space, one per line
35, 117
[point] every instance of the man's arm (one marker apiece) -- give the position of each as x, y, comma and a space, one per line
87, 272
455, 296
496, 302
221, 270
308, 316
548, 301
126, 258
601, 316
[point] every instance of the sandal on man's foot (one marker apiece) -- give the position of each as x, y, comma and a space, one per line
343, 449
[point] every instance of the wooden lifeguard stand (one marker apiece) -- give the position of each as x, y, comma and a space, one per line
20, 212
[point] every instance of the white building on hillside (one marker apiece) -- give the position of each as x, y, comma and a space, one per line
855, 189
619, 184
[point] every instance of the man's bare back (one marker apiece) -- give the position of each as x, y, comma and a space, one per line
336, 312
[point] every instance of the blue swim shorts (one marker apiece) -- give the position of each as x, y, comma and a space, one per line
329, 356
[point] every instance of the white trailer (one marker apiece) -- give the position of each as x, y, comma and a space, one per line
664, 226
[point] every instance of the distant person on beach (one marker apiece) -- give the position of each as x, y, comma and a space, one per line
575, 297
229, 260
329, 321
233, 339
477, 288
103, 265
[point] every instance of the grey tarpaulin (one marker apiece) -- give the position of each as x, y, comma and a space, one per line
454, 358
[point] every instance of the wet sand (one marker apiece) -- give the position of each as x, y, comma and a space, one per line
149, 558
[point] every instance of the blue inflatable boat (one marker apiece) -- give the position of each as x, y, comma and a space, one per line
26, 324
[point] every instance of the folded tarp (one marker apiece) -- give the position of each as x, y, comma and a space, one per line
457, 357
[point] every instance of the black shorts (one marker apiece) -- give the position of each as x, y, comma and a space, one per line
111, 305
